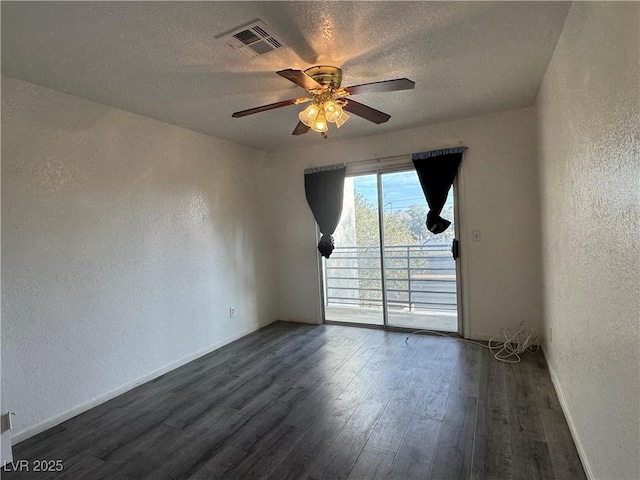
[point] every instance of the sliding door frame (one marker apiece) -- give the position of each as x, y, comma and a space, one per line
460, 287
383, 265
379, 171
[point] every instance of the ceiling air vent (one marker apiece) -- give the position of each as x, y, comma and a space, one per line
254, 39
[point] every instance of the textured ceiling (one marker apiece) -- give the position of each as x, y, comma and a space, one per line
162, 59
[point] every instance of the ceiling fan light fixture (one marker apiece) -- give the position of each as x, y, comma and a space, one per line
320, 123
342, 119
333, 111
309, 114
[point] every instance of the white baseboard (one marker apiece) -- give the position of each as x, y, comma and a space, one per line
572, 427
52, 422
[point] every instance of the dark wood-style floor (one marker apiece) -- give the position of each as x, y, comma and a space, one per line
324, 402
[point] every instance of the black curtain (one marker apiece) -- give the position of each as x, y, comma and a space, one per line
324, 187
437, 170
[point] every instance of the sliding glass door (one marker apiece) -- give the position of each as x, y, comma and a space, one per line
419, 269
387, 268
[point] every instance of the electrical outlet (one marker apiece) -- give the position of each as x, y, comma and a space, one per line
232, 312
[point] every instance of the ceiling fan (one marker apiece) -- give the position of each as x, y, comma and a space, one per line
330, 103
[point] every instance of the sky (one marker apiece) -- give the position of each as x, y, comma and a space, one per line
400, 190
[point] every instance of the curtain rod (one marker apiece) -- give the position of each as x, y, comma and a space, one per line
380, 159
398, 157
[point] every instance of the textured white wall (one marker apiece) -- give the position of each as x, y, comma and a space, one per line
499, 194
125, 242
590, 190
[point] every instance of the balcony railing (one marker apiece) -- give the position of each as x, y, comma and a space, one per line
417, 277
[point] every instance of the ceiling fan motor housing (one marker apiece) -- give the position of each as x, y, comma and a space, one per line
327, 76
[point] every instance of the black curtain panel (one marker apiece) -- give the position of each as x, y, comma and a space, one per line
437, 170
324, 187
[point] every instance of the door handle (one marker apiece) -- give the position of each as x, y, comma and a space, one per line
455, 248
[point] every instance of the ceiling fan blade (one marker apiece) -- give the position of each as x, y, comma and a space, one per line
368, 113
271, 106
300, 129
379, 87
300, 78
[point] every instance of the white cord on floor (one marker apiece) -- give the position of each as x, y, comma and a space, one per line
508, 350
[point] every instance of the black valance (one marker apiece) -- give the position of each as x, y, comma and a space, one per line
324, 187
437, 170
